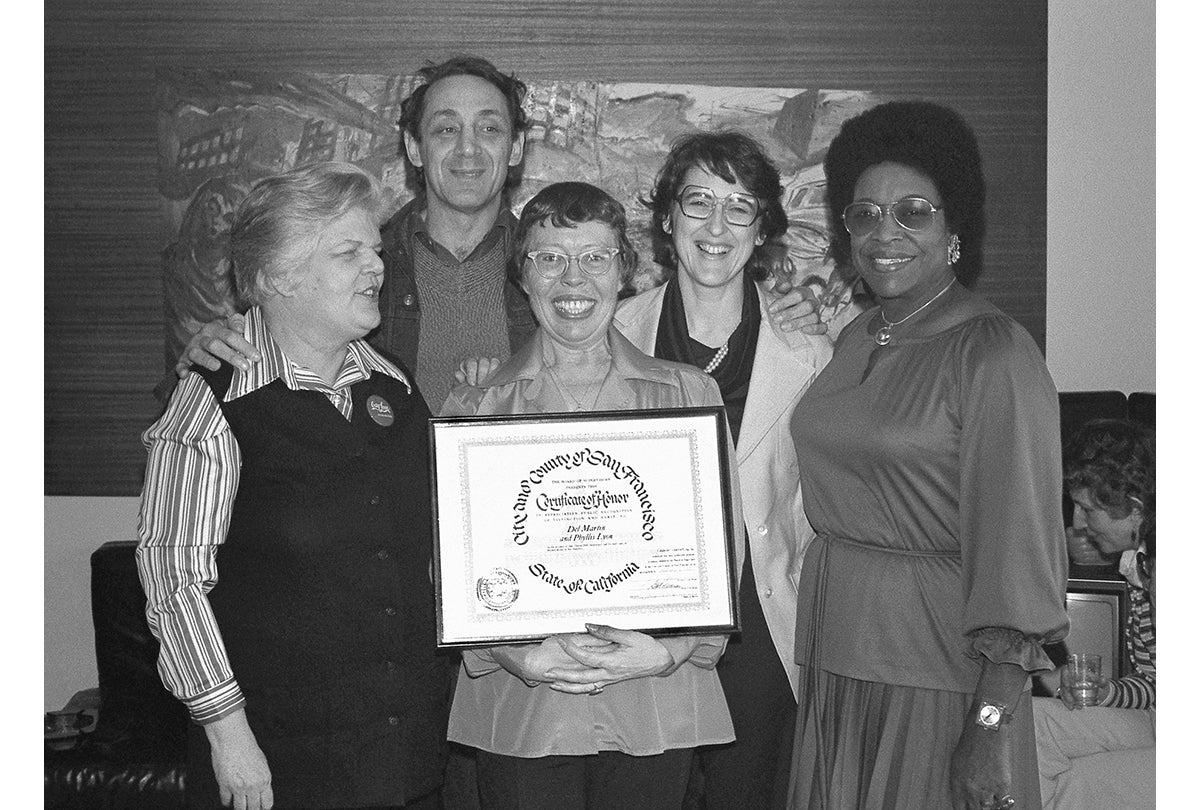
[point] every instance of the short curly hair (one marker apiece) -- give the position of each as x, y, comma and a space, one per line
1113, 460
733, 156
929, 138
513, 89
565, 205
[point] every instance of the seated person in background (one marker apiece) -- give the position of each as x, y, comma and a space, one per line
309, 668
1103, 756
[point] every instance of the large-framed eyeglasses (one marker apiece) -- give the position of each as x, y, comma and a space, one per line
551, 264
910, 213
698, 202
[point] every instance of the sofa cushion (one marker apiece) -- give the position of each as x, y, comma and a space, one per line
135, 708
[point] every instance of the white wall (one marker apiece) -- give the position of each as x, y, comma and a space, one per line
1100, 318
75, 527
1100, 309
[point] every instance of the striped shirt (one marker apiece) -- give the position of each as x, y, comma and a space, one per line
187, 500
1136, 691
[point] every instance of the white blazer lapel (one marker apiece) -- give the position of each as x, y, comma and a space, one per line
637, 318
781, 371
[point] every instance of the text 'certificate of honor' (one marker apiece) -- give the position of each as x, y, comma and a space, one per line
547, 523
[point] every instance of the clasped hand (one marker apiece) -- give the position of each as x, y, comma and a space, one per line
584, 663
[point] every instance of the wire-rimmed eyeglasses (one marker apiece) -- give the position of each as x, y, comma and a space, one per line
698, 202
910, 213
551, 264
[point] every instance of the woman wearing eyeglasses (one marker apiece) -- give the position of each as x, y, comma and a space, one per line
608, 718
715, 201
930, 462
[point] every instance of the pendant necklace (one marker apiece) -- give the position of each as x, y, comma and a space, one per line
884, 336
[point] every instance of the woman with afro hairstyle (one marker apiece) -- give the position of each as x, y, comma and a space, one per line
930, 465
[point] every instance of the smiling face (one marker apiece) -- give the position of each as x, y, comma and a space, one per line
711, 252
467, 143
903, 268
574, 309
1110, 535
332, 295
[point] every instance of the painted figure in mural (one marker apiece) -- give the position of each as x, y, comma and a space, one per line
196, 277
715, 205
930, 462
309, 665
608, 718
445, 296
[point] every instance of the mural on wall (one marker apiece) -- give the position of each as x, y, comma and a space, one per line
219, 131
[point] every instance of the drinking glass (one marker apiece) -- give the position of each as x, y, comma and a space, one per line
1083, 678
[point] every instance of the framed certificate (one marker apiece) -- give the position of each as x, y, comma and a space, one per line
545, 522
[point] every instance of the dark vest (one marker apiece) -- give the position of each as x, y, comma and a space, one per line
324, 599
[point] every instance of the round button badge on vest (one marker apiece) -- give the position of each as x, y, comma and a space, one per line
380, 411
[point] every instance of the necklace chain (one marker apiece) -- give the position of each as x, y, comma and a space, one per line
587, 392
884, 336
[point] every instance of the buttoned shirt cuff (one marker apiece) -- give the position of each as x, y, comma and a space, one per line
1131, 692
220, 701
1004, 645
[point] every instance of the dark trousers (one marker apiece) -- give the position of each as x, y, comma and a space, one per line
608, 780
752, 772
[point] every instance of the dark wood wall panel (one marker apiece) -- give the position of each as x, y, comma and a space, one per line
104, 314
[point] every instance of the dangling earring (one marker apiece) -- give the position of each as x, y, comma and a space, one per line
952, 250
667, 226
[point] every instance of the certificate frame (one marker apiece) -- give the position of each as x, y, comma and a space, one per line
545, 522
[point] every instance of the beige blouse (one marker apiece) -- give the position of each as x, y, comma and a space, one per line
496, 711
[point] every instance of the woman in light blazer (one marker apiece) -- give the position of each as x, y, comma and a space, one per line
717, 199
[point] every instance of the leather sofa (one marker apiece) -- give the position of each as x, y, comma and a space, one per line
135, 755
1077, 407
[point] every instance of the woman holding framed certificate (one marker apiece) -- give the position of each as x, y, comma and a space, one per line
607, 718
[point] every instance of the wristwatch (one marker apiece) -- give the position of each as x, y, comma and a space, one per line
990, 715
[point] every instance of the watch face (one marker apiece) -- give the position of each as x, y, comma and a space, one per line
989, 715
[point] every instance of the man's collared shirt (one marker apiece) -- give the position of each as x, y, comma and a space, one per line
403, 311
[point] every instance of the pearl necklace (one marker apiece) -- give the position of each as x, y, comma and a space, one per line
884, 336
717, 358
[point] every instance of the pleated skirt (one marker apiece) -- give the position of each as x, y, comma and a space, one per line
862, 745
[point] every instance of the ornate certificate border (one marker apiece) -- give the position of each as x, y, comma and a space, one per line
544, 522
